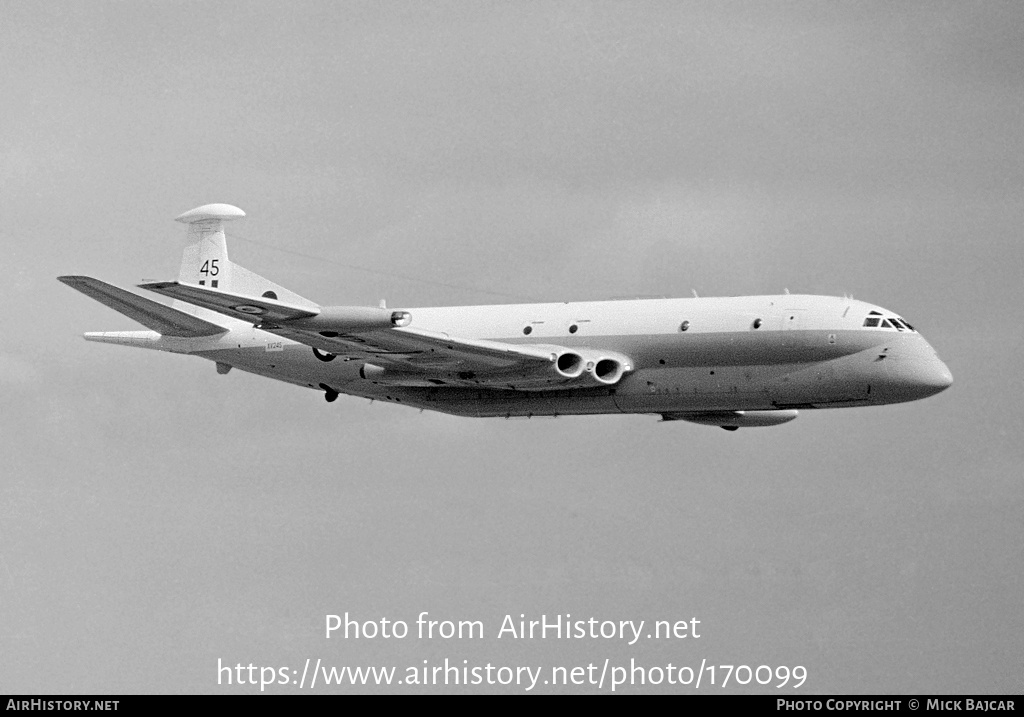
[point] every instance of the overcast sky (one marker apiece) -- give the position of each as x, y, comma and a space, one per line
156, 517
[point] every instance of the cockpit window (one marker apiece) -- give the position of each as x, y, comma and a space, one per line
875, 320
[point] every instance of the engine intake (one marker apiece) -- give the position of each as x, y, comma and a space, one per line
592, 367
570, 364
605, 368
608, 370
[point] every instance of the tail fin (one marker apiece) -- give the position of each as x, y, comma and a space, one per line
205, 261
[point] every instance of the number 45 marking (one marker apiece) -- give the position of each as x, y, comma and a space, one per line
210, 267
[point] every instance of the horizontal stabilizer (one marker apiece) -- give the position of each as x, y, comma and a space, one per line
256, 310
151, 314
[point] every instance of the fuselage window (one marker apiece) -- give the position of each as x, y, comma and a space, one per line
684, 326
528, 330
757, 323
871, 321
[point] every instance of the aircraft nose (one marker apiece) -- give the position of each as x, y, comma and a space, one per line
931, 377
915, 373
937, 376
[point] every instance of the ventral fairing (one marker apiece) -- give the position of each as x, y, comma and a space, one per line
732, 362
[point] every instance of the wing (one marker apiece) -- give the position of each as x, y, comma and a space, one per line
163, 319
397, 354
411, 356
426, 349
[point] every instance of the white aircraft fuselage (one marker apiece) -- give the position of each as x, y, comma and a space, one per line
725, 361
808, 352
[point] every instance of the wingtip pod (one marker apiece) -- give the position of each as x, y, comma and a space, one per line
219, 212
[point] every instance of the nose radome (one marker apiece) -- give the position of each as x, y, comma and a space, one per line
933, 377
910, 372
940, 376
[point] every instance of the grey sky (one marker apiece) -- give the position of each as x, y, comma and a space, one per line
157, 516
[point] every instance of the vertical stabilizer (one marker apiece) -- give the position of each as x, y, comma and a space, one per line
205, 261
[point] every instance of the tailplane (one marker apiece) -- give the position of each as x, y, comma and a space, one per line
165, 320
